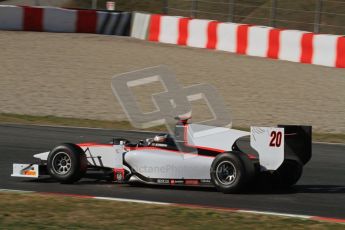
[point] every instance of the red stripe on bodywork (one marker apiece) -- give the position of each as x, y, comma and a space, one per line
162, 149
340, 60
242, 39
251, 156
212, 35
307, 48
154, 28
183, 31
191, 182
273, 43
33, 19
197, 146
93, 144
86, 21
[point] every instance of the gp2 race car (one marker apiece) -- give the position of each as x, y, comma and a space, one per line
196, 154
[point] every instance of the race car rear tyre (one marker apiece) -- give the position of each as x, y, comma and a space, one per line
287, 174
230, 172
67, 163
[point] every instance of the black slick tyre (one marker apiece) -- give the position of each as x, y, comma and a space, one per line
231, 172
67, 163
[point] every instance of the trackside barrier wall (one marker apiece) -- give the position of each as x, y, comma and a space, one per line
140, 25
260, 41
290, 45
11, 18
51, 19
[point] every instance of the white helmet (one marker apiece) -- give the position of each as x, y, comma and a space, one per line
160, 138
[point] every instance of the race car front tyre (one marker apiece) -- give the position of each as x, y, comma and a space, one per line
67, 163
287, 174
230, 172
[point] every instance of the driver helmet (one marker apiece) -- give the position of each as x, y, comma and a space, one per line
160, 138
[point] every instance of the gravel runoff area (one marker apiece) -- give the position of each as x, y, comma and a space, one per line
69, 75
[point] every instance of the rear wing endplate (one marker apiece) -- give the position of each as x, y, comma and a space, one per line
269, 142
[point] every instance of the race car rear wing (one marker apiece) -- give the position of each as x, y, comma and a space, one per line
269, 143
298, 142
286, 142
272, 144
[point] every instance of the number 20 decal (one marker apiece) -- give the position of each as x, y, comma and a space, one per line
276, 139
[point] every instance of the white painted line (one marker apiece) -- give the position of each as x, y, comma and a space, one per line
317, 218
131, 200
328, 143
275, 214
15, 191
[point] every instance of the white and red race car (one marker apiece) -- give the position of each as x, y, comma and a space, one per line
196, 154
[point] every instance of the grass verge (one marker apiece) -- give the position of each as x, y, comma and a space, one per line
37, 211
123, 125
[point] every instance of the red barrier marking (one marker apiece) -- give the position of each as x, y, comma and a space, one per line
212, 37
307, 48
317, 218
86, 21
33, 19
183, 31
154, 28
273, 43
340, 60
333, 220
205, 207
242, 39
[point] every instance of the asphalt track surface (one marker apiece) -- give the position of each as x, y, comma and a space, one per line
320, 192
